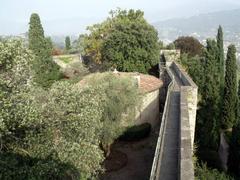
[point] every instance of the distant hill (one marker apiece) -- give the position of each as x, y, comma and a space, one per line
202, 26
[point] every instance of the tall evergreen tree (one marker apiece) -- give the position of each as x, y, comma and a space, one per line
238, 104
220, 57
35, 34
46, 71
208, 116
67, 43
230, 90
234, 156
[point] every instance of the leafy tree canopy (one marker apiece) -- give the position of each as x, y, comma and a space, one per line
189, 45
120, 100
125, 41
55, 133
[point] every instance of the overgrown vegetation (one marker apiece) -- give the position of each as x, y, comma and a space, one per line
189, 45
202, 172
124, 41
67, 43
46, 72
229, 109
218, 107
55, 133
120, 100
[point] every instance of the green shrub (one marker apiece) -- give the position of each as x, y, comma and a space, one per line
211, 157
202, 172
136, 132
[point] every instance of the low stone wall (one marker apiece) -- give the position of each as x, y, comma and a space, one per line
149, 112
190, 90
186, 168
188, 109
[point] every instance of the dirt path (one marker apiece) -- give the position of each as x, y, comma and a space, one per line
140, 156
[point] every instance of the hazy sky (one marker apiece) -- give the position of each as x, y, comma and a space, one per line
14, 14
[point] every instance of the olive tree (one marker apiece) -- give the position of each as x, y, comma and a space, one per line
120, 101
15, 79
70, 128
44, 134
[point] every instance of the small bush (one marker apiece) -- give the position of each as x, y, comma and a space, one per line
202, 172
210, 157
136, 132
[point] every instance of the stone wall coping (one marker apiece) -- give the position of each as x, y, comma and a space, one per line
186, 167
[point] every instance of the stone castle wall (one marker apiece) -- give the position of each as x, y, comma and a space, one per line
189, 93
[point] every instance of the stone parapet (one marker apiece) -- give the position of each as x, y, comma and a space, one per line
186, 169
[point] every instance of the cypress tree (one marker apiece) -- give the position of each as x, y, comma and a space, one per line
46, 71
220, 57
35, 34
238, 106
67, 43
208, 115
230, 90
234, 153
234, 156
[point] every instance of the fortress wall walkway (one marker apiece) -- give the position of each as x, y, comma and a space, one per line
173, 155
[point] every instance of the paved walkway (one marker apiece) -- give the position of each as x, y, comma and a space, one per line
169, 163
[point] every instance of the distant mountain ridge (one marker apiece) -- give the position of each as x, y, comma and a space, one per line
202, 26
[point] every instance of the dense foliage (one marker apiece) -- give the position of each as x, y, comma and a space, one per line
221, 57
46, 71
202, 172
15, 75
218, 106
189, 45
230, 90
124, 41
205, 72
120, 100
133, 43
195, 67
55, 133
208, 114
70, 127
234, 156
67, 43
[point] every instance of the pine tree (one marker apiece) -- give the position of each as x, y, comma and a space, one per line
67, 43
230, 90
220, 58
46, 71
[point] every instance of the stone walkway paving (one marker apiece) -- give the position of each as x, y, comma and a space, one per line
169, 163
